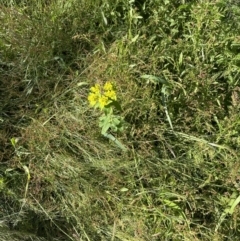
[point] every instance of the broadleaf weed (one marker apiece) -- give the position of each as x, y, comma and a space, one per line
105, 98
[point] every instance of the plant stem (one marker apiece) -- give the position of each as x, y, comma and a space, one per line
111, 137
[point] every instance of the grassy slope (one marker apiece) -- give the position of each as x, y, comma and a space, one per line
180, 185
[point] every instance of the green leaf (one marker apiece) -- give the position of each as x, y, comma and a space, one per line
134, 39
116, 121
115, 104
171, 204
105, 122
105, 128
180, 59
14, 141
124, 189
234, 204
104, 18
121, 128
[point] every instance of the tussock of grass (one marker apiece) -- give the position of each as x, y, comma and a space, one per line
180, 184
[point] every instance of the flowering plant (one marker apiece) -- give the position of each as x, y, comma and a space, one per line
105, 98
98, 98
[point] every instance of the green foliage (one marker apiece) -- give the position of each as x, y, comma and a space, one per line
105, 98
110, 121
175, 66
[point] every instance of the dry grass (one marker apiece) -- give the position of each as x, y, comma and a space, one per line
169, 185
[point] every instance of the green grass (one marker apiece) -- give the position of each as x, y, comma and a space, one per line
176, 69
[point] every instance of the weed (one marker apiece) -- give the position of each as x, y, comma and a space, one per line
105, 102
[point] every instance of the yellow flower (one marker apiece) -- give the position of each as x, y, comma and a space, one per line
108, 86
93, 99
95, 89
100, 97
103, 101
111, 94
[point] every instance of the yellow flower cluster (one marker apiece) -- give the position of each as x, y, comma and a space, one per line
99, 97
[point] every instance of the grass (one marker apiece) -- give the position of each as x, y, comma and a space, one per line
175, 66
